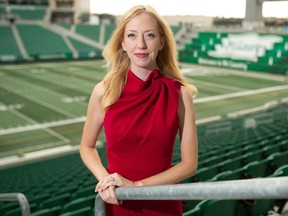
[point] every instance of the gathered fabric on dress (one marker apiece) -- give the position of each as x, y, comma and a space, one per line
140, 129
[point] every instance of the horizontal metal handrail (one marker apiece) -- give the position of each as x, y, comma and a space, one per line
257, 188
24, 205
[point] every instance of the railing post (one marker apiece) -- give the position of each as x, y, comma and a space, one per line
24, 205
99, 206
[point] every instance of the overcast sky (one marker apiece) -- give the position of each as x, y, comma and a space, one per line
220, 8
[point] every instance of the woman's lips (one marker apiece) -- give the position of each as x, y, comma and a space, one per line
141, 55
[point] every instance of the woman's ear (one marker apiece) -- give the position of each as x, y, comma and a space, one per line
162, 42
123, 46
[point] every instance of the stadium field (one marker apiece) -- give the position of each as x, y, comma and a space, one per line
43, 105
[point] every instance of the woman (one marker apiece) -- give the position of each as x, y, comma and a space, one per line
142, 103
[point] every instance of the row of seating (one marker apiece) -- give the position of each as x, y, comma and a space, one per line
64, 186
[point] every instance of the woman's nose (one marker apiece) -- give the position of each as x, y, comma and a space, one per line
141, 43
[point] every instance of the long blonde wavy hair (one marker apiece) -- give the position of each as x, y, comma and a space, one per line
118, 62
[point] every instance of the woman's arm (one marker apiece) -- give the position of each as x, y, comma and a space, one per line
91, 130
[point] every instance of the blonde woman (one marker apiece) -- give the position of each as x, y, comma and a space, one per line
142, 103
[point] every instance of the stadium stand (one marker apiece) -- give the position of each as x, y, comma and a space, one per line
218, 48
63, 185
229, 149
29, 14
9, 48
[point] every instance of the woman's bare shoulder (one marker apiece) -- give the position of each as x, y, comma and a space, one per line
98, 90
185, 93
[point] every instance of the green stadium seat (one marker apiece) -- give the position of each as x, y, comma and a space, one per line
224, 208
59, 200
269, 150
253, 156
47, 212
79, 204
197, 210
206, 173
232, 164
192, 212
281, 171
211, 161
84, 192
8, 206
263, 206
14, 212
231, 175
259, 169
87, 211
279, 159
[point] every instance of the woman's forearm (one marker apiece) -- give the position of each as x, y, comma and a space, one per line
93, 162
173, 175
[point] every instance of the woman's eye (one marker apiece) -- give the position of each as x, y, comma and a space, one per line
150, 36
131, 35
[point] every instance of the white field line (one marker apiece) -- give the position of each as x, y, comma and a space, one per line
39, 101
222, 86
20, 115
33, 87
42, 126
198, 69
240, 94
82, 119
30, 120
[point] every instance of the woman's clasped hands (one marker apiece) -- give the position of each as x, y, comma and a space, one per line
106, 187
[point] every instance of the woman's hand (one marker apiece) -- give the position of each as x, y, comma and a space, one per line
106, 187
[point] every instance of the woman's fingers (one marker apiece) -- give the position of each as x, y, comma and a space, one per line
106, 188
109, 196
105, 183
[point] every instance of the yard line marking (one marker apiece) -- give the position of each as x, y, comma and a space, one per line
259, 75
30, 120
83, 118
240, 94
20, 115
42, 125
39, 102
195, 81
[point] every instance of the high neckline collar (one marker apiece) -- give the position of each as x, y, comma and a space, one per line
153, 74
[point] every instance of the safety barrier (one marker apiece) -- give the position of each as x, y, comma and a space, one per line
258, 188
24, 205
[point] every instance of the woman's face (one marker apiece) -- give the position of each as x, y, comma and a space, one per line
142, 42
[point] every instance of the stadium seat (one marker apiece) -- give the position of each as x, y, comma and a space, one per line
47, 212
224, 208
8, 206
281, 171
196, 211
279, 159
232, 164
87, 211
253, 156
231, 175
263, 206
206, 173
269, 150
79, 204
259, 169
88, 190
192, 212
59, 200
14, 212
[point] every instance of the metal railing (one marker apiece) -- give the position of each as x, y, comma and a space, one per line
24, 205
258, 188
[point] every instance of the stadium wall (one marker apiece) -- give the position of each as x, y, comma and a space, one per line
241, 50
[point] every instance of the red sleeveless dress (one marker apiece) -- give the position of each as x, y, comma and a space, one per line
140, 130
